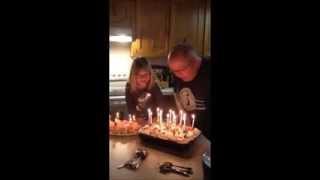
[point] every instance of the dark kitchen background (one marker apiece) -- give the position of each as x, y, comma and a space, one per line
150, 29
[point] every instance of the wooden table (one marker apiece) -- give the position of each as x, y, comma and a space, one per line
122, 149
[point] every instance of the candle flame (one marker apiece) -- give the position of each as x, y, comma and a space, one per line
130, 119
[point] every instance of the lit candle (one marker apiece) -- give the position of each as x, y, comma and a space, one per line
150, 115
180, 117
167, 120
158, 119
193, 117
184, 120
160, 113
174, 115
117, 116
130, 119
134, 117
170, 118
174, 120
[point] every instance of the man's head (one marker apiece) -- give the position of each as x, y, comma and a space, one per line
184, 62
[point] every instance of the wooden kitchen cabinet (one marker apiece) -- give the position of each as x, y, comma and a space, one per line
152, 29
158, 25
122, 15
187, 23
207, 30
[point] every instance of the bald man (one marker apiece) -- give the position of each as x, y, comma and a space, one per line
191, 84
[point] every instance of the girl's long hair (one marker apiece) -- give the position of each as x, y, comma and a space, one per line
138, 64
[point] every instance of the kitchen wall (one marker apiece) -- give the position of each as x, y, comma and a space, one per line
119, 61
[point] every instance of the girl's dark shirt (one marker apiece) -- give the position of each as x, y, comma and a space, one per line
140, 109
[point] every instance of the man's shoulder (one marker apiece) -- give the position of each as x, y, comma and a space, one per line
205, 65
206, 62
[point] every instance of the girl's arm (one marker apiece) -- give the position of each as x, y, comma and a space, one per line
159, 97
131, 105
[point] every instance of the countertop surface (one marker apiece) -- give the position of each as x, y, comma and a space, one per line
121, 149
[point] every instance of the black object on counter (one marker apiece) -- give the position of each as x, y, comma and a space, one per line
206, 163
136, 161
167, 167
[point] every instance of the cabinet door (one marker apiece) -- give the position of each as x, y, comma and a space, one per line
187, 23
207, 33
122, 14
152, 28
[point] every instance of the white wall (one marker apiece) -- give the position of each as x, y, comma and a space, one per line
119, 60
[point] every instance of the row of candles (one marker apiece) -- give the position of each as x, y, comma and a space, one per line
131, 117
171, 118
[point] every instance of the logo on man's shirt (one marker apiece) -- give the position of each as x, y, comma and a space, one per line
189, 102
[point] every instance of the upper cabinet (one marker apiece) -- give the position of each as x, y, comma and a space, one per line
152, 28
122, 16
158, 25
187, 23
207, 30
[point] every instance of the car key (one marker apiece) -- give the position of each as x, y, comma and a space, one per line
184, 173
188, 169
136, 161
126, 164
169, 167
166, 169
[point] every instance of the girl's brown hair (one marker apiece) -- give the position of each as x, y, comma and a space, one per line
138, 64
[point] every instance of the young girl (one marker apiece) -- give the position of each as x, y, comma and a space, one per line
142, 92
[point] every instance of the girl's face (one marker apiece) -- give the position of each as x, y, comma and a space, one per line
142, 79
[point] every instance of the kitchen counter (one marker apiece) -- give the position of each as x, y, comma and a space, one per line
121, 149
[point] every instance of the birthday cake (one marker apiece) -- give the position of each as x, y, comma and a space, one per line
173, 129
176, 134
123, 128
119, 127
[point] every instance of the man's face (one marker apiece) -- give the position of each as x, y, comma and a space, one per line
142, 79
183, 68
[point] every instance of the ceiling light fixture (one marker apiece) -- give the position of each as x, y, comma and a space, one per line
120, 38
